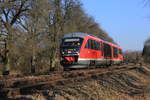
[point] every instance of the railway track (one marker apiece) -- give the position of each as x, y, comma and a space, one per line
12, 87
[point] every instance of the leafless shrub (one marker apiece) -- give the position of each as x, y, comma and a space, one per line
133, 57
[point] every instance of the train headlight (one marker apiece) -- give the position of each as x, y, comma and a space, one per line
62, 59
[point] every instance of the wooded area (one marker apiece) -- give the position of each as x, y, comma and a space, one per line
30, 32
146, 51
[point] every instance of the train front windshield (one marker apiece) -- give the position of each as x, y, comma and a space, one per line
72, 42
71, 45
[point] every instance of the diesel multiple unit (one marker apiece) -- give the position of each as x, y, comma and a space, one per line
81, 50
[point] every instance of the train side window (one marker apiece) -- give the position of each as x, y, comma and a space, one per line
88, 44
97, 44
92, 44
107, 50
102, 48
120, 51
115, 52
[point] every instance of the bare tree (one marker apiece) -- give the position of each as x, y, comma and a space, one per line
10, 12
36, 29
32, 30
146, 51
133, 57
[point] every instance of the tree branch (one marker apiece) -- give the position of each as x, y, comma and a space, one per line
17, 15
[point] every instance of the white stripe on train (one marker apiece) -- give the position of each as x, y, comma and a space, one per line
82, 59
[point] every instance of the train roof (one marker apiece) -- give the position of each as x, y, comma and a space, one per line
82, 35
75, 34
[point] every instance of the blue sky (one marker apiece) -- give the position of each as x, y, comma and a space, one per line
126, 21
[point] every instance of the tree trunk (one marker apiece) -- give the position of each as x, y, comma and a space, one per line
8, 47
32, 64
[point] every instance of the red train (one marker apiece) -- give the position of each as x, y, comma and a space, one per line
81, 50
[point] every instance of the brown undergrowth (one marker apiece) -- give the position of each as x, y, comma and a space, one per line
132, 84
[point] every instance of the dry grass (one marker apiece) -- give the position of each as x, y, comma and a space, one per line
132, 84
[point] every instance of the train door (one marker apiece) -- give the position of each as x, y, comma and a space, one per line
107, 53
102, 51
93, 49
115, 54
101, 56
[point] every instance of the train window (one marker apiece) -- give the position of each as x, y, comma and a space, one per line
115, 52
102, 48
97, 45
107, 50
92, 44
73, 42
88, 44
120, 51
